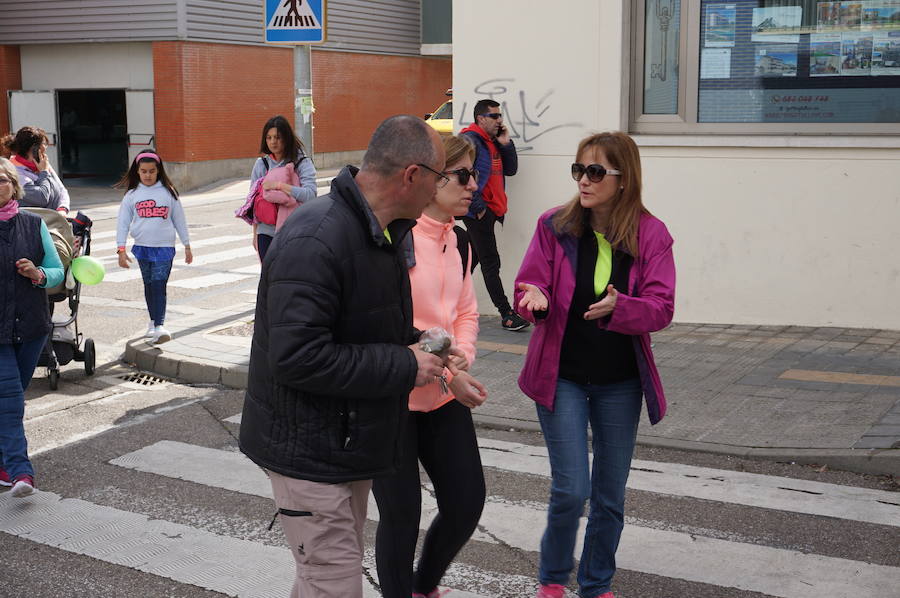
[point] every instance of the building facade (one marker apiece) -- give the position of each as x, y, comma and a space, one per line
769, 133
194, 79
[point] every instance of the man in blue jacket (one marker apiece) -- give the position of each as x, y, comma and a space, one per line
495, 158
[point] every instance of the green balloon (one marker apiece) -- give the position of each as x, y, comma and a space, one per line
87, 270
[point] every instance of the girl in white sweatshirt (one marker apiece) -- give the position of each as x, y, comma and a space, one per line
152, 214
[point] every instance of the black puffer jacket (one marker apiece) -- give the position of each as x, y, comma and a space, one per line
330, 371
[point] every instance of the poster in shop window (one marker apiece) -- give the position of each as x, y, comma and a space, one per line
720, 24
886, 53
775, 60
824, 54
774, 19
856, 54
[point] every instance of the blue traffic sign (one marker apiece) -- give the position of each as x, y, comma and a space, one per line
294, 21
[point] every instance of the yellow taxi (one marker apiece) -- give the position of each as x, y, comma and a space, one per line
441, 120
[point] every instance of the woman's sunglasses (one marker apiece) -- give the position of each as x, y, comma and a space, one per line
463, 175
595, 172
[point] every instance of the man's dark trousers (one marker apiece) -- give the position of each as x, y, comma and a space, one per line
484, 241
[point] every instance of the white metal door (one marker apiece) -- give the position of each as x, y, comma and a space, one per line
141, 124
36, 109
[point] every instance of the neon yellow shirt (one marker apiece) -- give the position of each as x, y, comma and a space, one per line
603, 269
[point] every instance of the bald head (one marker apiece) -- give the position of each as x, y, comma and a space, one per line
398, 142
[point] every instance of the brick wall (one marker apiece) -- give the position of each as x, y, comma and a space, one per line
211, 100
354, 92
10, 78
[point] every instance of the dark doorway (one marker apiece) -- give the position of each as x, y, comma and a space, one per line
93, 134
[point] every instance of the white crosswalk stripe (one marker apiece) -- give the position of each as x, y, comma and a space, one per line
751, 567
134, 273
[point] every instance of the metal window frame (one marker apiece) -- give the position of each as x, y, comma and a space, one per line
685, 121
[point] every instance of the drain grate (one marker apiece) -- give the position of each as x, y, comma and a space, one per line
142, 379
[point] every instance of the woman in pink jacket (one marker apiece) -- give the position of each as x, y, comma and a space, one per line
440, 432
597, 279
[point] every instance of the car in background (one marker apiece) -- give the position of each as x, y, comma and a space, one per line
441, 120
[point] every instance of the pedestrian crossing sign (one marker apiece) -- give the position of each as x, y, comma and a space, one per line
294, 21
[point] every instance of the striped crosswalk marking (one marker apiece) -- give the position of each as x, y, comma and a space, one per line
721, 485
179, 552
772, 571
134, 273
97, 248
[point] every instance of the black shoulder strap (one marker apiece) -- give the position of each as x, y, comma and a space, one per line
265, 163
464, 248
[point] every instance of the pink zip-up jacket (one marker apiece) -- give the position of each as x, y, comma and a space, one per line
442, 296
646, 306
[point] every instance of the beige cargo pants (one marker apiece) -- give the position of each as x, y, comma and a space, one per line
323, 524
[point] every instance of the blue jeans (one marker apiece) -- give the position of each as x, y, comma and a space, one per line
156, 277
17, 363
612, 411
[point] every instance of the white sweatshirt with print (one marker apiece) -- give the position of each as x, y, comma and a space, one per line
152, 216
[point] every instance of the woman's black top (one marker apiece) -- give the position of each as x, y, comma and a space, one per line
590, 355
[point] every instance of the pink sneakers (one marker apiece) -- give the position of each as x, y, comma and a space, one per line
23, 485
4, 478
553, 590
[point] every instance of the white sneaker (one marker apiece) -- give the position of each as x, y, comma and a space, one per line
161, 335
151, 329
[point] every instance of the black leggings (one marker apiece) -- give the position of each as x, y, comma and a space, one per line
444, 441
262, 244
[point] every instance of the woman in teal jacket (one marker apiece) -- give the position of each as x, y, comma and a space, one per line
28, 264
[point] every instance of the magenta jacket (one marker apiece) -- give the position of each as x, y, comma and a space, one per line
646, 306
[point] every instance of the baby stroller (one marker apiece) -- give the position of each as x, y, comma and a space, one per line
66, 342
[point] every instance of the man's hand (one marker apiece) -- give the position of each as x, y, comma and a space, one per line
467, 390
533, 299
429, 366
603, 307
502, 135
124, 260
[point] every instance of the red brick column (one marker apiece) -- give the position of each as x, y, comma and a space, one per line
353, 93
212, 100
10, 78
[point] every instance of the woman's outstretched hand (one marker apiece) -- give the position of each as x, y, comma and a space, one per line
604, 307
532, 298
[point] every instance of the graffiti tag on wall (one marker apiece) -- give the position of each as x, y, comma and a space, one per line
526, 119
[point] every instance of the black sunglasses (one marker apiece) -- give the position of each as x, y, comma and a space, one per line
463, 175
595, 172
494, 115
442, 179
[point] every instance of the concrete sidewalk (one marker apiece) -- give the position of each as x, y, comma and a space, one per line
829, 396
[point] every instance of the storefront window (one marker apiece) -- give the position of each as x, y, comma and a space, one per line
661, 45
798, 61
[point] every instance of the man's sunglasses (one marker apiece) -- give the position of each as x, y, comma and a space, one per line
494, 115
463, 175
595, 172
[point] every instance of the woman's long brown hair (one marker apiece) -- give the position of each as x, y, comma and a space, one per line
622, 232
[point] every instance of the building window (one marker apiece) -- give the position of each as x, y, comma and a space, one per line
768, 66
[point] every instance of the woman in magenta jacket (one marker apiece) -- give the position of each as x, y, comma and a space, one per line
597, 279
